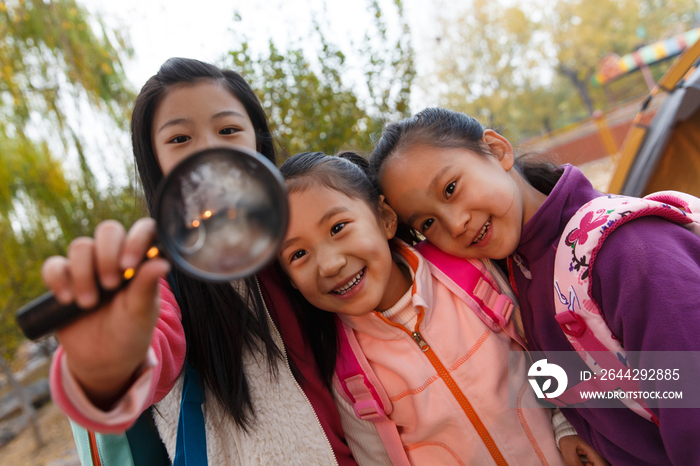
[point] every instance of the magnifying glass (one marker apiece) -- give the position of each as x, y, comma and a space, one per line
221, 214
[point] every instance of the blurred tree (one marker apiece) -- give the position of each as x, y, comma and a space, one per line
390, 69
309, 101
584, 31
53, 47
525, 67
54, 58
308, 110
490, 60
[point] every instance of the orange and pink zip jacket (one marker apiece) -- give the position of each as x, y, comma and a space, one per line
447, 376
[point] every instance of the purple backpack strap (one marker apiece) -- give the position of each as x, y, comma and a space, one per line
358, 385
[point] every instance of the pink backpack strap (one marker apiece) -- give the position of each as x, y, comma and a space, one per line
475, 285
577, 312
359, 386
687, 204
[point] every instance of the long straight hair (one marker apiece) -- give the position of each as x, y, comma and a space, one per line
219, 324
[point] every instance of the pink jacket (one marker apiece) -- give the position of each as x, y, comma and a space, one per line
156, 378
450, 401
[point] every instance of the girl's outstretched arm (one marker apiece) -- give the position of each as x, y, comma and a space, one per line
153, 379
104, 349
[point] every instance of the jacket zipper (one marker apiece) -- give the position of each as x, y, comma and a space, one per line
521, 265
289, 368
457, 393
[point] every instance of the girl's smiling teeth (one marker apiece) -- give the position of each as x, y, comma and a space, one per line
483, 231
350, 285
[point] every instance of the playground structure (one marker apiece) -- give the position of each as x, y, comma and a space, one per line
658, 136
665, 154
613, 67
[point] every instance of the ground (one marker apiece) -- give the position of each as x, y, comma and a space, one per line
59, 449
600, 172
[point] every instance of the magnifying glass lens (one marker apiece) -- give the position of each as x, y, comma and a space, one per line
222, 214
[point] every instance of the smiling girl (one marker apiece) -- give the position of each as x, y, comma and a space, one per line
445, 371
461, 186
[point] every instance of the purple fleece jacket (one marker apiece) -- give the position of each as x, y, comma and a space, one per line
646, 279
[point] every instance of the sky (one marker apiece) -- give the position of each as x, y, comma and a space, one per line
160, 29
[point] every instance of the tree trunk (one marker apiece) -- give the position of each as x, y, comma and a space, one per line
580, 85
26, 403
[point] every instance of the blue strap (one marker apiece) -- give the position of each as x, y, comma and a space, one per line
191, 448
146, 446
173, 285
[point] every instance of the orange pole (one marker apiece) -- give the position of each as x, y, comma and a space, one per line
605, 133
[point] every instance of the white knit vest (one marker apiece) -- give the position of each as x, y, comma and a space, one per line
285, 431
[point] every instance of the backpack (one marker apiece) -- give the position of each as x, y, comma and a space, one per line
138, 446
576, 311
141, 445
354, 379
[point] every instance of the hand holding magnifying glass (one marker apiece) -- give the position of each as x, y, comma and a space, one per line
221, 214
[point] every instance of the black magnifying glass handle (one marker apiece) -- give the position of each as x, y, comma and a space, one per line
45, 314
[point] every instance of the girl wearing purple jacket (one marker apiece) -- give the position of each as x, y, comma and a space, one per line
461, 187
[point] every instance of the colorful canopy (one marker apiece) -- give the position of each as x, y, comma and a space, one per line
612, 66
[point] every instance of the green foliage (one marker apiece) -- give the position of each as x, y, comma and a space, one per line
311, 105
489, 64
41, 210
308, 110
390, 72
53, 57
48, 47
